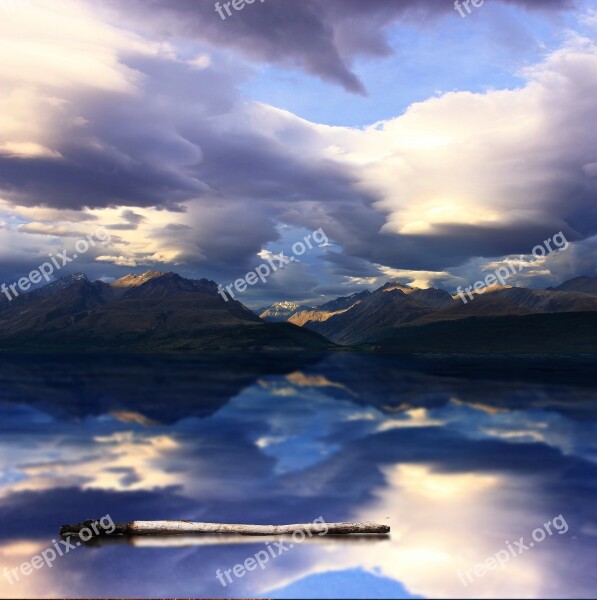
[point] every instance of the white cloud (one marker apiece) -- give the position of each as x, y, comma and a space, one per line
483, 159
202, 61
121, 261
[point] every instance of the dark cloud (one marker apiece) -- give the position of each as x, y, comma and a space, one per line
350, 265
186, 136
91, 178
132, 217
185, 139
320, 36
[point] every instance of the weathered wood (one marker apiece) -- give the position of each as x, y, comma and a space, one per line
189, 527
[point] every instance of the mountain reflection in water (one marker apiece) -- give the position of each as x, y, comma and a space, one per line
458, 456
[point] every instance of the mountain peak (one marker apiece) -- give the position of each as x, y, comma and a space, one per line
390, 286
64, 282
133, 280
282, 311
287, 304
74, 277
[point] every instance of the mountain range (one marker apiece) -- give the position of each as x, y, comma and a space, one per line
148, 312
410, 319
158, 311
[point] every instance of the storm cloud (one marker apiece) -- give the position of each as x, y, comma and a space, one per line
323, 37
162, 144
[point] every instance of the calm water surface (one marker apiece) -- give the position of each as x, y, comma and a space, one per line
458, 458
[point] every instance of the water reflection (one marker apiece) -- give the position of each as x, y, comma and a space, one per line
457, 457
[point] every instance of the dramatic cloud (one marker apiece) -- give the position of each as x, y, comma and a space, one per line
477, 174
154, 131
148, 134
320, 36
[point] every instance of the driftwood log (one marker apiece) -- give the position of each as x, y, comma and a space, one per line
189, 527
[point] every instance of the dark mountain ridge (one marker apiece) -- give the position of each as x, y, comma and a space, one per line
153, 311
395, 311
164, 312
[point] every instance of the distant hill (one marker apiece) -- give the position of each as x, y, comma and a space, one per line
554, 333
585, 285
324, 311
384, 309
343, 302
280, 312
149, 312
395, 306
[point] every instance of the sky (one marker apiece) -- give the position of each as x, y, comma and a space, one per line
427, 146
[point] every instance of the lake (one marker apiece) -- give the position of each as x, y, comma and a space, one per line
462, 457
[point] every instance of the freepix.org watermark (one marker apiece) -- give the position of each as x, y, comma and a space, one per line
56, 262
264, 270
275, 549
461, 6
236, 5
58, 549
502, 557
501, 275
